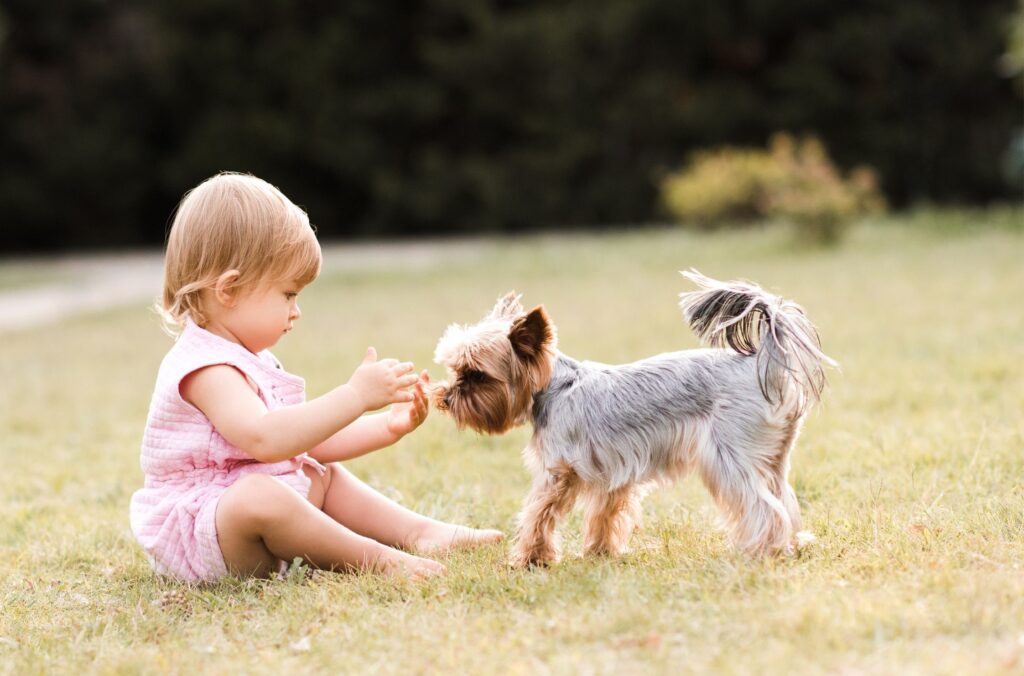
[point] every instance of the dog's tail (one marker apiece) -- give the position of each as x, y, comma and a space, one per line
756, 323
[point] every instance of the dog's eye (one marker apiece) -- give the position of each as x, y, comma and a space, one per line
474, 377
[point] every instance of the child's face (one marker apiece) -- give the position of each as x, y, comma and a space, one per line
259, 318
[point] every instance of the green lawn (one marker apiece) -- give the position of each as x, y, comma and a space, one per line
910, 474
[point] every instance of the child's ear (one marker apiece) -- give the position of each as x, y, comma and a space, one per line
224, 289
531, 333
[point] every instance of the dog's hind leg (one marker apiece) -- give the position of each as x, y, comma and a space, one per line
783, 489
611, 517
758, 520
554, 493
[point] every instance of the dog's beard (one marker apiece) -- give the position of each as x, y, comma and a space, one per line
485, 408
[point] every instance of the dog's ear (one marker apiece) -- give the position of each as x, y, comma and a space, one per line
507, 306
531, 334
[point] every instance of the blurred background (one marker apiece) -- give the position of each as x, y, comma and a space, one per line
388, 119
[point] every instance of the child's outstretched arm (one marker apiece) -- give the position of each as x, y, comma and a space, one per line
223, 394
373, 432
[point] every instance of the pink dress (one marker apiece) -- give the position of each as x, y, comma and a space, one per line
188, 464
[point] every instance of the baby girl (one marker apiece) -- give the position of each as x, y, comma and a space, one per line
241, 472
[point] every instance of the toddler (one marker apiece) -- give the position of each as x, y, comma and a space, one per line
241, 473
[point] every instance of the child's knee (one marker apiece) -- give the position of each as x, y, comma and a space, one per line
255, 501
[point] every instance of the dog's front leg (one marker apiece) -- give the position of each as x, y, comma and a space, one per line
611, 517
552, 496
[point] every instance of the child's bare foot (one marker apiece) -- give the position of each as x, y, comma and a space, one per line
438, 538
405, 565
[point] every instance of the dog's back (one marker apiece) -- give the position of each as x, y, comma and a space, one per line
637, 422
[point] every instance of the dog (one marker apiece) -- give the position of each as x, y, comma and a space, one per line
731, 412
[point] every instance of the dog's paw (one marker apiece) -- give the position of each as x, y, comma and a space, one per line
605, 550
804, 539
800, 543
519, 564
531, 559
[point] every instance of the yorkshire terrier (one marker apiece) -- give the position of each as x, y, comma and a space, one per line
608, 433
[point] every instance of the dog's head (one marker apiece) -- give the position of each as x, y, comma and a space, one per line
495, 366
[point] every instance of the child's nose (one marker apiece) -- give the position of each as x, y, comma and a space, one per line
296, 312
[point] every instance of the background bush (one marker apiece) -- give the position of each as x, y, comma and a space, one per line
791, 181
437, 116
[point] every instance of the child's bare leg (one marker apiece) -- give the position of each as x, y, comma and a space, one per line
261, 521
364, 510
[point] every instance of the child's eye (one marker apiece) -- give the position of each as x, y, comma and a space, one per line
290, 294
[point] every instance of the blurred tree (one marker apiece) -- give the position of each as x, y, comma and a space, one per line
1012, 62
327, 101
456, 115
1012, 66
75, 131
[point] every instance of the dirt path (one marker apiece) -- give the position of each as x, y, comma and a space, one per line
73, 285
80, 284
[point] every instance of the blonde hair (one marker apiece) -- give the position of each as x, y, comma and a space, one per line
233, 222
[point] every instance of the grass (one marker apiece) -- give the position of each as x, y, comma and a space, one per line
910, 474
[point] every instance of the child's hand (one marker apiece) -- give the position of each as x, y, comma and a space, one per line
379, 383
404, 418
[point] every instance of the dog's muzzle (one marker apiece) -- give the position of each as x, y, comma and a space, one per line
441, 395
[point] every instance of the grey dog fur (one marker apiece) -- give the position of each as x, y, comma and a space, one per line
731, 412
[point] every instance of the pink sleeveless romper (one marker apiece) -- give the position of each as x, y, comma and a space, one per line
188, 464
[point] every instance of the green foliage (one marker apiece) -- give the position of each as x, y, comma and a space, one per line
1013, 59
1012, 65
792, 181
468, 115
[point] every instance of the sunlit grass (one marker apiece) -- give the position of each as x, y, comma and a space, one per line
910, 474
